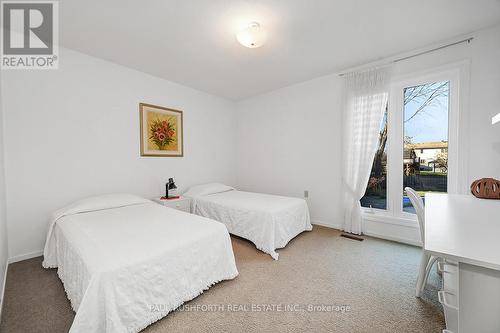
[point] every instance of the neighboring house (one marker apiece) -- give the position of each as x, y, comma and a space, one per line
425, 154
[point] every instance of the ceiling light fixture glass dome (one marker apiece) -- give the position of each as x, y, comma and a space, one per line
252, 36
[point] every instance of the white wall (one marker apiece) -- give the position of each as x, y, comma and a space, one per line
288, 140
3, 221
74, 132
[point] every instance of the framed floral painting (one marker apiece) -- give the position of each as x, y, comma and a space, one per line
161, 131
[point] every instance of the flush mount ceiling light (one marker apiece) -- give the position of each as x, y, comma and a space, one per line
252, 36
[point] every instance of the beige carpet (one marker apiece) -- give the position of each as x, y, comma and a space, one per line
375, 278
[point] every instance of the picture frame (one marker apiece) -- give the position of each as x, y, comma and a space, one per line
161, 131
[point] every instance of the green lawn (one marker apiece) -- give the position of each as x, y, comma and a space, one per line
436, 174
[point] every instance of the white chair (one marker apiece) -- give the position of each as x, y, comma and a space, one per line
427, 259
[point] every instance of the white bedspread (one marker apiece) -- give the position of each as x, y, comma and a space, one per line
124, 268
269, 221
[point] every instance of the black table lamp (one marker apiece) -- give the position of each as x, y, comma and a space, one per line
169, 186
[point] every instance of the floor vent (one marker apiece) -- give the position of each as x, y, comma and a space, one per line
351, 236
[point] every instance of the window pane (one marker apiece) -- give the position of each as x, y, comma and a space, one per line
425, 146
376, 191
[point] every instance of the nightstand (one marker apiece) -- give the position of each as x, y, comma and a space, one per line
181, 203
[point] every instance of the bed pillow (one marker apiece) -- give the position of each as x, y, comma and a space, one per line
101, 202
206, 189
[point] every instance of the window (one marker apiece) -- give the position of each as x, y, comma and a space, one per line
414, 143
425, 126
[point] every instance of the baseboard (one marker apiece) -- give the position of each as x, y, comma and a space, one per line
394, 239
385, 236
3, 288
25, 256
405, 231
328, 225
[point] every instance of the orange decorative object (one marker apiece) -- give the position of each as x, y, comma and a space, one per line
486, 188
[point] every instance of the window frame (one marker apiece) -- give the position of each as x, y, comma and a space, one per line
457, 75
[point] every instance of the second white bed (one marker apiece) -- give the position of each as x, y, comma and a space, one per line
269, 221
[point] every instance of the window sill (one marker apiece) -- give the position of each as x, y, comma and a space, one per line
380, 216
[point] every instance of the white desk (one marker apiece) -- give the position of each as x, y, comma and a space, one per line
465, 229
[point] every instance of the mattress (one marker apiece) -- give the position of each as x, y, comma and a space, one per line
124, 268
269, 221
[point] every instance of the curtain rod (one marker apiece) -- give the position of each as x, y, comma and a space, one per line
466, 40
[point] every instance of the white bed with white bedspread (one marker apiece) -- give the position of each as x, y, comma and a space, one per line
126, 262
269, 221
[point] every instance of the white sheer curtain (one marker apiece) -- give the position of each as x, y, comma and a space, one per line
365, 99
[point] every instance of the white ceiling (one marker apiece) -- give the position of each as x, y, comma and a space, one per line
193, 42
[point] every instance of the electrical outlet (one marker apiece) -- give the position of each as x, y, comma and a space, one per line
306, 194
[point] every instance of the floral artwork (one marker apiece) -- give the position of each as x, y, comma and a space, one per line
161, 131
